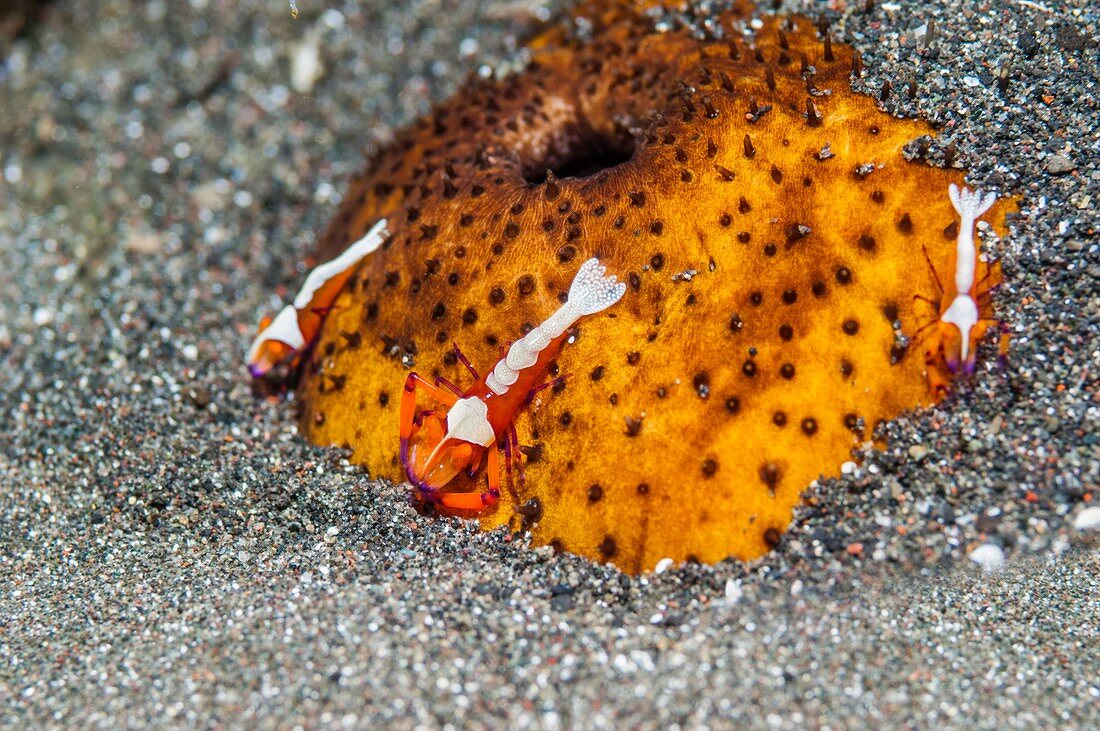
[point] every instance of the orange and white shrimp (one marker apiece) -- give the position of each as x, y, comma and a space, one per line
965, 309
294, 329
481, 418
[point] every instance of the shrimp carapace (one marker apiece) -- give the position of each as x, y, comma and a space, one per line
768, 229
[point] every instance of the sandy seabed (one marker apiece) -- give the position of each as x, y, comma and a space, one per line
173, 553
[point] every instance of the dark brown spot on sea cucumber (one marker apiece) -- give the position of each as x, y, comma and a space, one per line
770, 475
702, 384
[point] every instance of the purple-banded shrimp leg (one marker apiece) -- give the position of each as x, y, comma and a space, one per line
418, 420
465, 361
475, 501
992, 271
919, 334
1002, 342
932, 267
543, 386
441, 381
509, 458
408, 414
921, 298
516, 454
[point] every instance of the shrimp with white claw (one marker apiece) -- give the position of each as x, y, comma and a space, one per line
482, 418
293, 330
964, 306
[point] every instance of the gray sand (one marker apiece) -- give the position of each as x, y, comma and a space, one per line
173, 552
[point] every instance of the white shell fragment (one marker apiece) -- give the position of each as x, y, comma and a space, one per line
1088, 519
733, 591
305, 64
989, 556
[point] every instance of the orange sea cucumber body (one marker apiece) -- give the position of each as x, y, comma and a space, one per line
770, 234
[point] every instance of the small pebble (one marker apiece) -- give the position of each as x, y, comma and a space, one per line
1059, 164
989, 556
1088, 519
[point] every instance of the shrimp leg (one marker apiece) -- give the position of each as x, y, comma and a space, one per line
473, 500
408, 412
